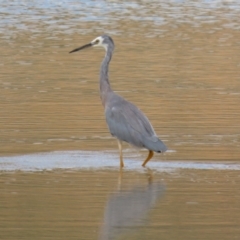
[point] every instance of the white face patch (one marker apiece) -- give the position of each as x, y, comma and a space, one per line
98, 42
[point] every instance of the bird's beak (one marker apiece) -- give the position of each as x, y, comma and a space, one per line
82, 47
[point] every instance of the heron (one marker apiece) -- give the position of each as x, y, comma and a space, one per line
126, 122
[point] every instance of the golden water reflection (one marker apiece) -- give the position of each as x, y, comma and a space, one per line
186, 204
184, 77
178, 61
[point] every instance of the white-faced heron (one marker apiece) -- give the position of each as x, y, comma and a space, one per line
125, 121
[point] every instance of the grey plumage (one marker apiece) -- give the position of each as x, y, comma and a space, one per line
125, 121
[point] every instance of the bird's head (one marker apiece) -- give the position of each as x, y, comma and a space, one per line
102, 41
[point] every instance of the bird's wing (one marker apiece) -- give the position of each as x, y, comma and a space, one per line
128, 123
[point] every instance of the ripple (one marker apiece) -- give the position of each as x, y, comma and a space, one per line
86, 160
22, 14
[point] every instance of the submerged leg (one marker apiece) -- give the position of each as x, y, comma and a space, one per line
149, 175
120, 153
150, 155
120, 179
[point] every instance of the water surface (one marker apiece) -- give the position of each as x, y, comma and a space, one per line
178, 61
88, 204
183, 74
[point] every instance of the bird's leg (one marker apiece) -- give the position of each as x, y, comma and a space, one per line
120, 153
150, 155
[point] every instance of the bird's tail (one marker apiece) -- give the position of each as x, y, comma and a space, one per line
156, 146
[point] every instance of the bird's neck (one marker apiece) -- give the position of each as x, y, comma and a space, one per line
105, 87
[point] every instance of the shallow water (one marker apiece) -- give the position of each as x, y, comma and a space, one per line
86, 160
178, 61
99, 204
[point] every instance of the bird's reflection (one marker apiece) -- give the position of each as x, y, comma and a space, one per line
126, 210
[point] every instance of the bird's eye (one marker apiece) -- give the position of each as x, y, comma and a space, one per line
97, 41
